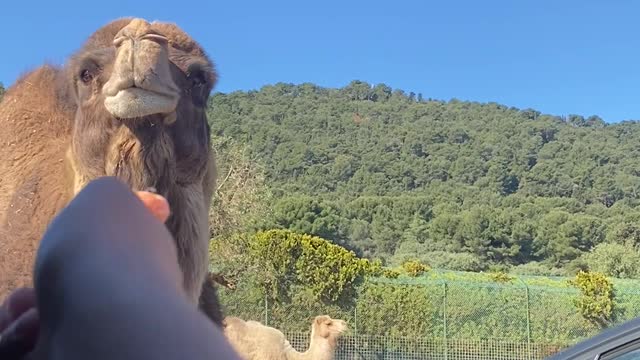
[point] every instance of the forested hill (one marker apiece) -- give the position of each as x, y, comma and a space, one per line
371, 141
460, 185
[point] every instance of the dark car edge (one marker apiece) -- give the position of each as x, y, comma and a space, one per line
621, 342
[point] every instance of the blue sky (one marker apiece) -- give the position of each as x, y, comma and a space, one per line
557, 56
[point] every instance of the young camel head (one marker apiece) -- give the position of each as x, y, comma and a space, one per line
325, 327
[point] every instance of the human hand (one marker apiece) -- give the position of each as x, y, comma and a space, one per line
18, 324
19, 314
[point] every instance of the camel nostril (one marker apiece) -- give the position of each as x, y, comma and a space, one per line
155, 37
119, 40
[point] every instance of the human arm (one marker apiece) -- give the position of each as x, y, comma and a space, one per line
107, 285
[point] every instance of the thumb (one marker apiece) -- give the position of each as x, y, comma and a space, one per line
157, 204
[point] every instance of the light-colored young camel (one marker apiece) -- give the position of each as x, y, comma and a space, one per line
254, 341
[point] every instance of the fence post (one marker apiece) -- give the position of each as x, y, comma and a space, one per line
526, 289
266, 309
355, 319
444, 319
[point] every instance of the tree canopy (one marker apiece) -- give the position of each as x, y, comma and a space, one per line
456, 184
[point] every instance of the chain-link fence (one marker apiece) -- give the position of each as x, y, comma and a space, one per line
367, 347
441, 318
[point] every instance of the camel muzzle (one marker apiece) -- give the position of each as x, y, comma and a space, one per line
141, 83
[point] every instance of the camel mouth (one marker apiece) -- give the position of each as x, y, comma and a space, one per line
341, 327
135, 102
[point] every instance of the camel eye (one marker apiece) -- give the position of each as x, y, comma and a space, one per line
196, 75
86, 76
197, 79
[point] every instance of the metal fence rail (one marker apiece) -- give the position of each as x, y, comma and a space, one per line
363, 347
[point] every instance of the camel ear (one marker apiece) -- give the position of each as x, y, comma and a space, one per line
324, 320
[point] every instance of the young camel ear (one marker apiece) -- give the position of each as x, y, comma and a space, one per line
322, 320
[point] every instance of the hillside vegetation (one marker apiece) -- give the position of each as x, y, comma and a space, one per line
411, 188
284, 277
458, 185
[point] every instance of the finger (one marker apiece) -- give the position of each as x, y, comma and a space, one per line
21, 337
18, 302
157, 204
4, 316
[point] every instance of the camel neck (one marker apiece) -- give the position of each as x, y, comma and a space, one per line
319, 349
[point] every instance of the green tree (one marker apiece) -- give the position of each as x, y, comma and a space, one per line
241, 200
381, 92
417, 231
624, 233
358, 90
614, 260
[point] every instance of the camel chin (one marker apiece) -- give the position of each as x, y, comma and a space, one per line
138, 103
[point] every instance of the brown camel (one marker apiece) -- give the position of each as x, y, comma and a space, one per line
131, 104
255, 341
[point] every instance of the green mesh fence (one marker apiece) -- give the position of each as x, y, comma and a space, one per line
442, 316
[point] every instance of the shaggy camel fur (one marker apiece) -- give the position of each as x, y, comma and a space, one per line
130, 103
255, 341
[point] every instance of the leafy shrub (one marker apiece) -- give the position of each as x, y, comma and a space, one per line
501, 277
391, 273
289, 258
535, 268
455, 261
415, 268
597, 300
399, 310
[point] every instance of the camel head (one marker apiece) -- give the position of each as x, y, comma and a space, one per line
324, 326
136, 94
133, 69
152, 79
